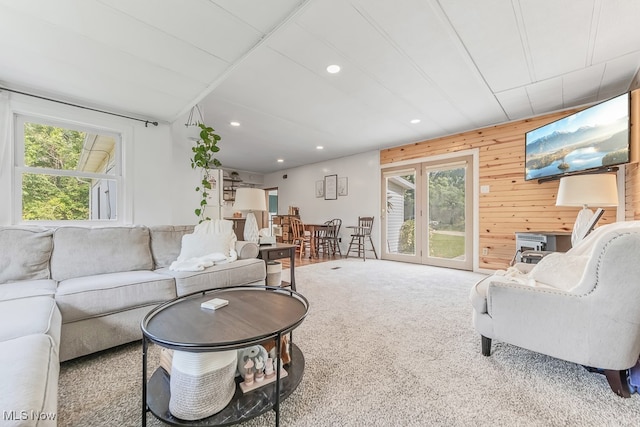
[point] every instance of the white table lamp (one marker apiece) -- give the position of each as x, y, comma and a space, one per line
592, 190
250, 200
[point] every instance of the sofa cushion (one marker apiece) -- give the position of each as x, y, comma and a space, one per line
26, 316
29, 368
166, 241
27, 288
86, 251
86, 297
239, 272
24, 253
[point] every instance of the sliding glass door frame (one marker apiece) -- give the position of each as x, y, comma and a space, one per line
419, 167
396, 183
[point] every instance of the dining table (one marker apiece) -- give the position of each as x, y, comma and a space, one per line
316, 232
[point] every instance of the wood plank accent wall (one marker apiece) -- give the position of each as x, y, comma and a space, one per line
513, 204
632, 171
632, 192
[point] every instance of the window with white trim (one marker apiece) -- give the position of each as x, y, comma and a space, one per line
66, 172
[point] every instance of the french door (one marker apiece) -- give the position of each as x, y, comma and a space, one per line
428, 213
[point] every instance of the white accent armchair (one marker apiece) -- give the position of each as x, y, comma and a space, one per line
582, 306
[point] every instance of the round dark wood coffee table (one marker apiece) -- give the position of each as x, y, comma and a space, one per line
255, 314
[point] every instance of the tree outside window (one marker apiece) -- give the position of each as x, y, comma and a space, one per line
66, 174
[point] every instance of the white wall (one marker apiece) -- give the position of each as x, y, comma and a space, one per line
152, 169
363, 173
181, 197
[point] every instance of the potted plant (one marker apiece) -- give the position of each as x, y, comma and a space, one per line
203, 158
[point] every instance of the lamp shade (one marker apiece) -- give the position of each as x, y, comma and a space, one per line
250, 199
598, 190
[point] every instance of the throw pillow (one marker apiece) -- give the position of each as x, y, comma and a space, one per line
560, 271
201, 244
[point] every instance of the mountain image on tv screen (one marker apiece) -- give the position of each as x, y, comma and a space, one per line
593, 138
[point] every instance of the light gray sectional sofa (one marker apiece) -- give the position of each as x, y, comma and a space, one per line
70, 291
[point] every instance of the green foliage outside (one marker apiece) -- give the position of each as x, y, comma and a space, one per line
446, 213
407, 241
53, 197
446, 199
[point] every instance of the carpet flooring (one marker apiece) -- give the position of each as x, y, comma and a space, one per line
385, 344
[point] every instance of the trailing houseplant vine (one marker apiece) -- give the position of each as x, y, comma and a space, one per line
203, 158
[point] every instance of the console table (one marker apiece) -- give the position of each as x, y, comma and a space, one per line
254, 314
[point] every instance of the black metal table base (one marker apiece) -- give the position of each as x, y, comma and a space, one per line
242, 406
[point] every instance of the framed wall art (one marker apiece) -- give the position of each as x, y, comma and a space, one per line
331, 187
320, 188
343, 186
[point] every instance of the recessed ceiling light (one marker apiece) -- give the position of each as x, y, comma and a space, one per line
234, 123
415, 121
332, 69
280, 160
319, 147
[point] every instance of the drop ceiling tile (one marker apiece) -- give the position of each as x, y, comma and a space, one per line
371, 52
618, 33
515, 103
545, 96
557, 34
142, 42
618, 74
261, 15
581, 87
421, 33
75, 83
198, 22
306, 50
260, 81
127, 98
257, 84
290, 140
490, 33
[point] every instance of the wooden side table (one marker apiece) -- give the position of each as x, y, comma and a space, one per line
280, 251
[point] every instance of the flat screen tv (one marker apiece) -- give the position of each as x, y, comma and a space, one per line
594, 138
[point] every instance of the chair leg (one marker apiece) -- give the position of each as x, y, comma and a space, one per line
358, 242
486, 345
373, 247
364, 252
353, 240
618, 382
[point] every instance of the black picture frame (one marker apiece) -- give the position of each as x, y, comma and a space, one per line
331, 187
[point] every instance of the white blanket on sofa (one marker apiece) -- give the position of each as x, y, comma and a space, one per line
198, 263
212, 242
